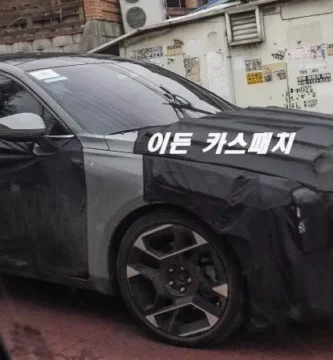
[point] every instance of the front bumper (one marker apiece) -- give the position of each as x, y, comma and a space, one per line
295, 281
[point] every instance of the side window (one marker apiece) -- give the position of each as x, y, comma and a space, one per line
14, 99
53, 127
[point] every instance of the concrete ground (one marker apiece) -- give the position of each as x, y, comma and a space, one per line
48, 322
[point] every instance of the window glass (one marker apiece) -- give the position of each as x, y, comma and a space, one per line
106, 98
14, 99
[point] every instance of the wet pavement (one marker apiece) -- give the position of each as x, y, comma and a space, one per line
49, 322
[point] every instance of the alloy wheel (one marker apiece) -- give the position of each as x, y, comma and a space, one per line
177, 281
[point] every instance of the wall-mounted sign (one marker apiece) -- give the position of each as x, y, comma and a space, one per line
255, 78
173, 50
314, 79
253, 65
148, 53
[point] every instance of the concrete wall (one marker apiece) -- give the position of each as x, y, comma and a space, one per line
299, 43
291, 68
198, 51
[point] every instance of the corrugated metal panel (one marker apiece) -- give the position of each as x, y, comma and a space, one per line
244, 27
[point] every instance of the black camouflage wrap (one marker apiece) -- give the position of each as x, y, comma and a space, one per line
274, 210
43, 213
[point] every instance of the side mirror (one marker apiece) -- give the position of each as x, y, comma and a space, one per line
22, 127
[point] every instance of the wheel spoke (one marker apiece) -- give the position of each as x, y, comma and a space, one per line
198, 242
168, 310
210, 317
182, 240
173, 320
222, 290
178, 303
210, 287
206, 306
140, 269
160, 302
142, 262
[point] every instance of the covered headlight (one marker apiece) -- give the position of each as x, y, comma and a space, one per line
312, 219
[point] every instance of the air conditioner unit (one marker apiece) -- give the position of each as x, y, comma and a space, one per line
139, 13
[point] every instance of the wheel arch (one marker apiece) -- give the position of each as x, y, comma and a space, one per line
132, 217
136, 214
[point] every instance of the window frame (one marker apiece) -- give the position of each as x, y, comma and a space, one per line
42, 103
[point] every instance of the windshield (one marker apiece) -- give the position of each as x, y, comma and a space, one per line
116, 96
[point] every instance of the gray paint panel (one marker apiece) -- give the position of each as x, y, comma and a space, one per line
115, 189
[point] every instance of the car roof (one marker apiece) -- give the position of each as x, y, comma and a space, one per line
38, 61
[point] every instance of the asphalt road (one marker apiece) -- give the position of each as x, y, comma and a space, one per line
47, 322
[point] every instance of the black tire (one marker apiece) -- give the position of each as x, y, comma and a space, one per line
232, 308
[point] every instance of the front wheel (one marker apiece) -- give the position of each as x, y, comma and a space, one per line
179, 280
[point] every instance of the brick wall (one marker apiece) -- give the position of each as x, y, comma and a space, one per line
27, 22
57, 25
108, 10
65, 25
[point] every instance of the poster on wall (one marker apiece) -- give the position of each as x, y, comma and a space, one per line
307, 52
279, 55
330, 50
275, 72
253, 65
310, 86
192, 69
314, 79
174, 50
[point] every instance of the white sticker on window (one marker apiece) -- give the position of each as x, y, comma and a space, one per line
44, 74
58, 78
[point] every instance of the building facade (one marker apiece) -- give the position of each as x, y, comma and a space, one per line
70, 25
57, 25
259, 53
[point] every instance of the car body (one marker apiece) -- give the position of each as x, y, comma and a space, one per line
77, 201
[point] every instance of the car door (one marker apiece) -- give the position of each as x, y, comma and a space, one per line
43, 226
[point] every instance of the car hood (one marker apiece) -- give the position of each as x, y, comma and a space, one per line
310, 161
